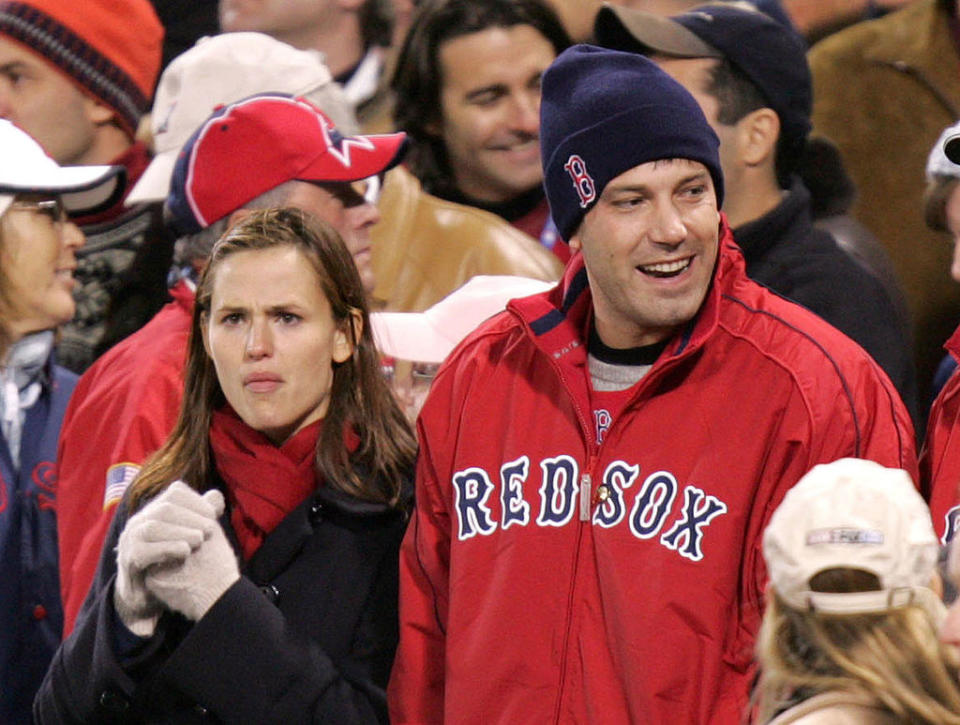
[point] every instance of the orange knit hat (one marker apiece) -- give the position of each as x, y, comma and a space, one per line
110, 48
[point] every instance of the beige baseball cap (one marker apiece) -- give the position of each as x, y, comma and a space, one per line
223, 69
852, 514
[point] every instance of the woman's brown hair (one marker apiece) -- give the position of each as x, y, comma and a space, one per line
894, 657
360, 398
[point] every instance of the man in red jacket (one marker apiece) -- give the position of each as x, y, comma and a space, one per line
598, 462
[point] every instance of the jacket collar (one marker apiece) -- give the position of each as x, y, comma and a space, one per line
788, 220
952, 345
557, 319
184, 294
285, 542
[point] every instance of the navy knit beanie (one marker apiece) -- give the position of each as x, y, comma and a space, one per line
602, 112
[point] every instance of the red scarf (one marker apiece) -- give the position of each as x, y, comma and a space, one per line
264, 483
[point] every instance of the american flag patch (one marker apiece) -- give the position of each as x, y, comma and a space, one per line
119, 477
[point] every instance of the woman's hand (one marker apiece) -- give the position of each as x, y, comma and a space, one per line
191, 585
164, 532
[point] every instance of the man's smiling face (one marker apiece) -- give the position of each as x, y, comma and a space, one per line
650, 245
490, 110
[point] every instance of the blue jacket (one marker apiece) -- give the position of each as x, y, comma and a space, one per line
31, 618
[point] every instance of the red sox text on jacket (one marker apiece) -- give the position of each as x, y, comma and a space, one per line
560, 489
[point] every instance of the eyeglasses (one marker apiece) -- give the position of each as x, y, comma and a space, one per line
53, 209
421, 373
354, 193
424, 373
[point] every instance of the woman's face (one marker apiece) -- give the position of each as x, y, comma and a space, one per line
952, 210
37, 258
273, 340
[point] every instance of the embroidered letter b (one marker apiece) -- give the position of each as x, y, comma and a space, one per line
582, 181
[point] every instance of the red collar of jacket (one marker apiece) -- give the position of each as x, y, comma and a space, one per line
184, 295
952, 345
557, 319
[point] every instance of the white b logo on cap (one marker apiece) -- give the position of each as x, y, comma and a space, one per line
582, 181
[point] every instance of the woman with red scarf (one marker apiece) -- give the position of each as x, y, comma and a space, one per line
251, 573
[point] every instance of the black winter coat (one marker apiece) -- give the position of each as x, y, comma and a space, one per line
307, 634
787, 254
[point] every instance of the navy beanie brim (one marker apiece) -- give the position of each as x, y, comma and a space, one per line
602, 113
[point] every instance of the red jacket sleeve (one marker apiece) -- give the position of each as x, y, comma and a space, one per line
416, 689
940, 460
107, 433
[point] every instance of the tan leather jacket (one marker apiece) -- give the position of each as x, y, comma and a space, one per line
883, 91
424, 247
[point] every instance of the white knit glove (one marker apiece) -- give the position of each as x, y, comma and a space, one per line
164, 531
192, 585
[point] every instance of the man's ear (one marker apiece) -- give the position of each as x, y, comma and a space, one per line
758, 132
347, 337
236, 216
97, 113
574, 242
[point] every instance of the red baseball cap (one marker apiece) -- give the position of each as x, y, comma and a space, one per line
251, 146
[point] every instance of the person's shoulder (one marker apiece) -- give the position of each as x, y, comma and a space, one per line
787, 333
818, 264
797, 357
448, 228
836, 708
489, 339
949, 396
794, 252
140, 365
157, 343
500, 349
426, 247
851, 44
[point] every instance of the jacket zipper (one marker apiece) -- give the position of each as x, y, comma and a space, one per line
585, 497
585, 511
584, 517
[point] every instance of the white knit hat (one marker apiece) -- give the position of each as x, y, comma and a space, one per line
852, 514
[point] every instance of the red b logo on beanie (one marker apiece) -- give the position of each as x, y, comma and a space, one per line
582, 181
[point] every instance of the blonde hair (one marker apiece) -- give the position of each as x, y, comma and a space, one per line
894, 657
